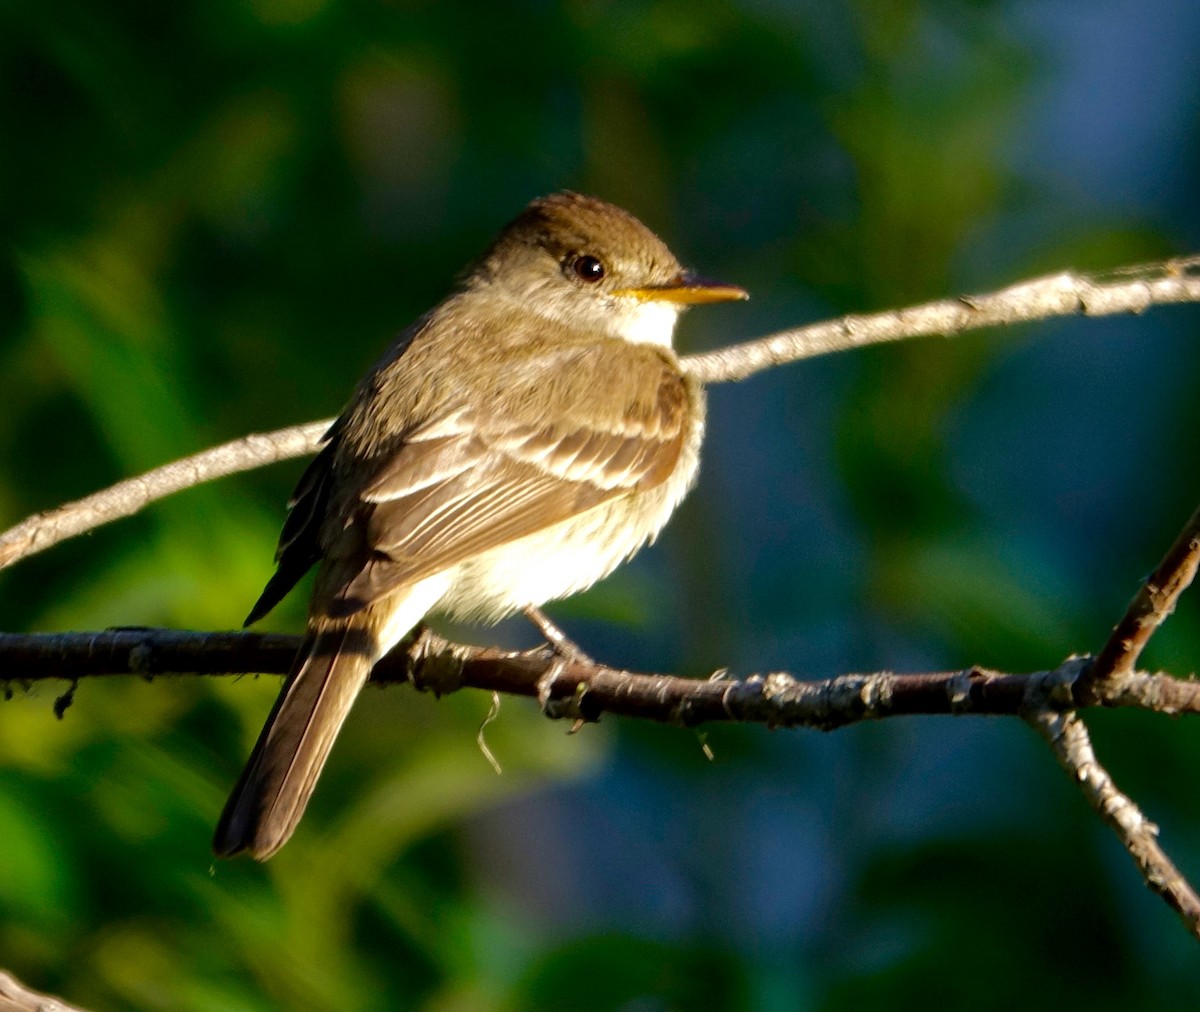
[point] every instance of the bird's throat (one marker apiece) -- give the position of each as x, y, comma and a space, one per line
646, 322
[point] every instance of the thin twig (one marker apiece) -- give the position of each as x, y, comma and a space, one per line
42, 530
16, 997
1068, 737
1151, 606
1127, 290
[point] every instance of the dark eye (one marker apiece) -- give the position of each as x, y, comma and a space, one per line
587, 268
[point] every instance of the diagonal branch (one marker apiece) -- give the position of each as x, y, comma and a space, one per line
1128, 290
16, 997
43, 530
1154, 602
1068, 737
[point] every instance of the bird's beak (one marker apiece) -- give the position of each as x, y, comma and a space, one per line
688, 289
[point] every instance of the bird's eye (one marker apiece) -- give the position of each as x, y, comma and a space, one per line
587, 268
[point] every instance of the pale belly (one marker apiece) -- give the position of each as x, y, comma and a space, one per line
570, 556
554, 563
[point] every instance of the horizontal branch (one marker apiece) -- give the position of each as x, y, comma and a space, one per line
1127, 290
585, 691
579, 691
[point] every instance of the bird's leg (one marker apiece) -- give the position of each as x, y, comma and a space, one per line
559, 641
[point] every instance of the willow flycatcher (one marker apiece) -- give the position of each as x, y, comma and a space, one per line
513, 446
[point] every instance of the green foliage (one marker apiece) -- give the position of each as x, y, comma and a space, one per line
215, 215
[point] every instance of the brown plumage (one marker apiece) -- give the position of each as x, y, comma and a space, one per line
515, 445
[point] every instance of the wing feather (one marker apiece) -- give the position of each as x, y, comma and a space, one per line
474, 480
299, 542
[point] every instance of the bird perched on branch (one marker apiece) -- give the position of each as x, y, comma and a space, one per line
513, 446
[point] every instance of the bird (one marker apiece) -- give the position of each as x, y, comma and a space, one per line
511, 447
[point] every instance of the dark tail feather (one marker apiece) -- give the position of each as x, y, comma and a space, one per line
274, 788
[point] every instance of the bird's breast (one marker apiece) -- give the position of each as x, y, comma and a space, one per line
571, 555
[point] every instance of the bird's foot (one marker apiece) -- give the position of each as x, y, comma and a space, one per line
566, 652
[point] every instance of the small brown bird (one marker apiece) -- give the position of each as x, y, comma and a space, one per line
513, 446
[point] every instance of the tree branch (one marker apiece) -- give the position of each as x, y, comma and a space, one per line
16, 997
44, 530
1068, 737
586, 691
1150, 607
1127, 290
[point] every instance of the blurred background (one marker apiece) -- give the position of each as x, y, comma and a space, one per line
214, 216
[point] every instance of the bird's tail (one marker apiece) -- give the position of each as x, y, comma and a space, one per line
274, 788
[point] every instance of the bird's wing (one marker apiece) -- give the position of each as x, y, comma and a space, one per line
299, 542
474, 478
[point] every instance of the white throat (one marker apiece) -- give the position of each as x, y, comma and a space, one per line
645, 321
